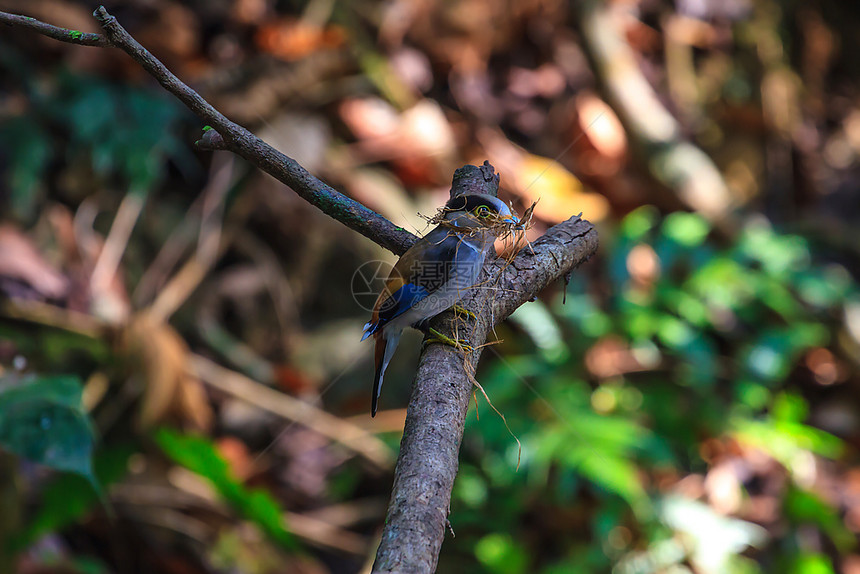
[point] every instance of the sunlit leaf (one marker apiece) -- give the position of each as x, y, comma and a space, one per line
639, 222
558, 192
688, 229
787, 441
716, 538
501, 554
778, 254
811, 563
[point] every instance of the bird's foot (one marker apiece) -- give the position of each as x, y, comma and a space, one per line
437, 337
463, 311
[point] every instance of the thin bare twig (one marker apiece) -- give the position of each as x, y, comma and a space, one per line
245, 144
261, 396
235, 138
117, 239
61, 34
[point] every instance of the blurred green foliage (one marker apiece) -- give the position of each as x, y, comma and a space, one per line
112, 133
42, 419
711, 335
67, 498
198, 454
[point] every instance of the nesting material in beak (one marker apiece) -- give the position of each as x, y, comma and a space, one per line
502, 226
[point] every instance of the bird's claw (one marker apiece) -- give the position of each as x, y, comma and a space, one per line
437, 337
463, 311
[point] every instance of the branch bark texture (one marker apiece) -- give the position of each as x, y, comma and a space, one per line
428, 460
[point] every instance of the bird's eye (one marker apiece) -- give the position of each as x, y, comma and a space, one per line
482, 211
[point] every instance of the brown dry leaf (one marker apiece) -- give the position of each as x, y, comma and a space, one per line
21, 261
243, 548
172, 33
293, 381
420, 131
610, 357
601, 126
292, 40
237, 455
81, 248
426, 129
420, 141
193, 406
643, 264
851, 564
249, 11
559, 192
162, 355
547, 81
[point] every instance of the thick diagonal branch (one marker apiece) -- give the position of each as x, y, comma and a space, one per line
428, 460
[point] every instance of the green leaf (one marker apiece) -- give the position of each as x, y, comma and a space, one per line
501, 554
470, 487
199, 455
787, 441
618, 476
823, 289
802, 506
69, 497
776, 350
789, 407
639, 222
62, 389
43, 421
778, 254
688, 229
812, 564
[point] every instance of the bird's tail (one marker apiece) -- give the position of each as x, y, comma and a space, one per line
385, 345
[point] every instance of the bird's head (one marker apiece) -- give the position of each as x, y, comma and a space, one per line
476, 211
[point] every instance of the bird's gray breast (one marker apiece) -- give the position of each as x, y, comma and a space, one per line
461, 273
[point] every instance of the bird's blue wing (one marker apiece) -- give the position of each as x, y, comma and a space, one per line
398, 303
423, 269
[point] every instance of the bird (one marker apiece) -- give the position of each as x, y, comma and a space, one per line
435, 273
